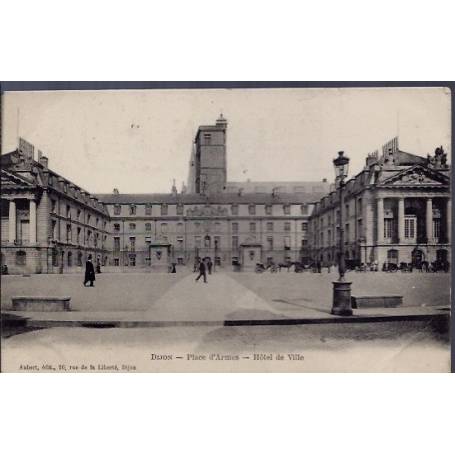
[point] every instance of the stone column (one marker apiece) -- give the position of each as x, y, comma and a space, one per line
32, 225
380, 219
429, 220
400, 220
12, 221
449, 220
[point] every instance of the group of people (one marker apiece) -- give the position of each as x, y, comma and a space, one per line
203, 266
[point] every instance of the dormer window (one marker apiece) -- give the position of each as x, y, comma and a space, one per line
287, 209
235, 209
179, 209
148, 209
163, 209
117, 209
252, 209
132, 209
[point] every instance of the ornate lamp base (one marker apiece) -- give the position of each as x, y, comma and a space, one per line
341, 305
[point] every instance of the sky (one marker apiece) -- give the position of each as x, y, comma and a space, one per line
140, 140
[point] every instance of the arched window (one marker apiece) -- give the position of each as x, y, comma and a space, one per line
79, 259
70, 259
21, 257
392, 256
207, 241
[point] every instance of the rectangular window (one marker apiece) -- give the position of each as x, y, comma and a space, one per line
116, 262
252, 227
436, 228
68, 211
235, 209
180, 243
252, 209
116, 227
68, 233
132, 226
270, 226
163, 209
163, 228
304, 242
235, 242
388, 228
268, 209
287, 209
287, 243
132, 260
179, 209
148, 226
132, 243
217, 241
303, 209
132, 209
197, 241
409, 227
235, 227
287, 226
304, 227
54, 230
270, 242
207, 138
53, 205
148, 209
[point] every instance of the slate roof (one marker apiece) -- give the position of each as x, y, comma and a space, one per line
222, 198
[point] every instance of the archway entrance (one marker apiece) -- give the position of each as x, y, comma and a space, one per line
417, 258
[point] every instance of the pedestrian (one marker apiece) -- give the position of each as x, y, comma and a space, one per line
328, 267
202, 271
209, 266
319, 266
89, 271
173, 270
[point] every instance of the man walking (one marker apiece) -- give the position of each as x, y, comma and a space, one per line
89, 271
209, 265
202, 271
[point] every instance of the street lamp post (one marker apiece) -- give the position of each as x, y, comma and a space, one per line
341, 305
216, 254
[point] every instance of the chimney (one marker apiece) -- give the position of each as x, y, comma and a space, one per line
324, 180
115, 191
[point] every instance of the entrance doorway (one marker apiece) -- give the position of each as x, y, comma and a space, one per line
417, 258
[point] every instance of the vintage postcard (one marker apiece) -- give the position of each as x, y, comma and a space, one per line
226, 230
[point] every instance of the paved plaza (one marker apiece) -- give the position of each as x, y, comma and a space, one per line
227, 295
193, 319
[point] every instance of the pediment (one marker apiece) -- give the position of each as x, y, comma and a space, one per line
10, 180
417, 175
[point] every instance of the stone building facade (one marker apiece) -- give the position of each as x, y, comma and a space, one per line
397, 209
48, 224
221, 226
